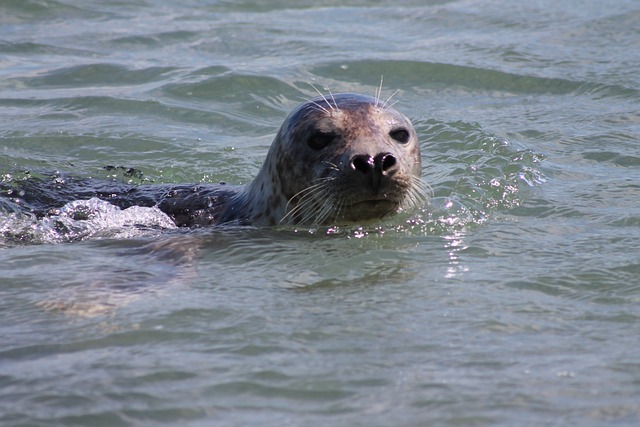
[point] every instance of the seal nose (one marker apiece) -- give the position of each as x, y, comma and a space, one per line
380, 164
374, 167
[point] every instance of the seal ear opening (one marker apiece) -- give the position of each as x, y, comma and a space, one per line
319, 140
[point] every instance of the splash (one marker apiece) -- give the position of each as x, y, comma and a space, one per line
82, 219
475, 175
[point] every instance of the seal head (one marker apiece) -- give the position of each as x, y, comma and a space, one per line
342, 159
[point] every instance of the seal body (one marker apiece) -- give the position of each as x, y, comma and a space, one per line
340, 159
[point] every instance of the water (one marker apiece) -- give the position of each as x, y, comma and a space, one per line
512, 299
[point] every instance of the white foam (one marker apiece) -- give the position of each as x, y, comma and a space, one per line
83, 219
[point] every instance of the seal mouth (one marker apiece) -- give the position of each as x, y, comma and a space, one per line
373, 204
371, 209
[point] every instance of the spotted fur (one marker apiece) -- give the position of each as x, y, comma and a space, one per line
362, 173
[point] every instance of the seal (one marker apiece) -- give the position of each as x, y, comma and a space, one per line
345, 158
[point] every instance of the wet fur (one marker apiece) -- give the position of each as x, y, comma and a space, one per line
299, 185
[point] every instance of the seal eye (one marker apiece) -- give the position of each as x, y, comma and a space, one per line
400, 135
319, 140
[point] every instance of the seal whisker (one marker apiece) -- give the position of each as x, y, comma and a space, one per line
422, 186
386, 105
332, 166
379, 92
392, 104
308, 200
334, 101
324, 205
315, 88
316, 212
302, 194
325, 99
328, 207
320, 108
317, 104
340, 208
419, 192
318, 182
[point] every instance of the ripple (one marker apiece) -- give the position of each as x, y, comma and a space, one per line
482, 172
157, 39
27, 11
401, 74
615, 158
100, 74
31, 48
226, 87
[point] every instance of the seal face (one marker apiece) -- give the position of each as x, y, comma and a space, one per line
343, 159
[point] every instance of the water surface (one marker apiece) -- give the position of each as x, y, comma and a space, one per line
512, 299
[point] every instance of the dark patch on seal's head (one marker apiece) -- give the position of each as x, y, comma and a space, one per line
342, 158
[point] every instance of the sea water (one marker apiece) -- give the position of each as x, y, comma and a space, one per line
511, 299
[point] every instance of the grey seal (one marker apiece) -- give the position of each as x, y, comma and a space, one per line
337, 159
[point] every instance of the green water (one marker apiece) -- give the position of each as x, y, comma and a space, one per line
513, 299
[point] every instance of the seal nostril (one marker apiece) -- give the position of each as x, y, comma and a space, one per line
384, 162
388, 161
362, 163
